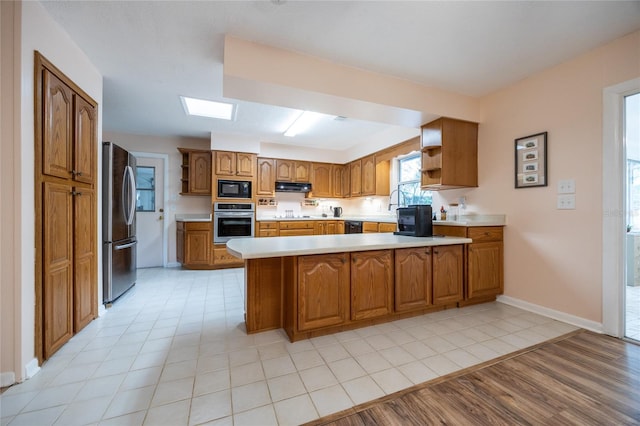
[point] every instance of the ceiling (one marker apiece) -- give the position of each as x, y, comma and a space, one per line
151, 52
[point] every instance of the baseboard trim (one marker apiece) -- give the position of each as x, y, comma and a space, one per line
7, 379
31, 369
173, 265
101, 310
596, 327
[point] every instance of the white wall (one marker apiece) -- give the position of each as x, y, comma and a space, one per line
35, 30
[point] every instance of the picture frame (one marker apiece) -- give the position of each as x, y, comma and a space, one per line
531, 161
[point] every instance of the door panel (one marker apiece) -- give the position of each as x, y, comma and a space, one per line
85, 299
57, 134
85, 143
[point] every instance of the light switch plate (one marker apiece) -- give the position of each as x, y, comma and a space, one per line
567, 186
567, 202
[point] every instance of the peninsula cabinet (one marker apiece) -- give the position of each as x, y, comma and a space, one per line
266, 182
447, 274
321, 180
372, 284
234, 163
66, 281
293, 171
449, 154
196, 172
414, 279
323, 290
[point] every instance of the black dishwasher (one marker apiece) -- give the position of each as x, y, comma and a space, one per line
353, 227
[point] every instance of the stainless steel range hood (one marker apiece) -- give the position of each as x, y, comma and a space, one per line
293, 187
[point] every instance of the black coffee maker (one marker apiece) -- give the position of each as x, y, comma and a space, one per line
415, 220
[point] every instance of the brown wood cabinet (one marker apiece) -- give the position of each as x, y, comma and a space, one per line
369, 177
372, 284
323, 290
222, 258
195, 248
235, 163
196, 172
266, 181
293, 171
414, 278
447, 274
355, 170
321, 180
267, 229
327, 227
369, 227
65, 209
340, 183
484, 260
296, 227
387, 227
449, 154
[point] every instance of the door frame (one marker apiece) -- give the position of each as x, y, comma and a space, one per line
614, 206
165, 191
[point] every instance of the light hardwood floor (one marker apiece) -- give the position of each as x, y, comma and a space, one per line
581, 378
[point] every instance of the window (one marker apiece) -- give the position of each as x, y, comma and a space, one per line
409, 191
145, 189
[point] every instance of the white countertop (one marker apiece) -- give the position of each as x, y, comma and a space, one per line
193, 217
469, 220
257, 248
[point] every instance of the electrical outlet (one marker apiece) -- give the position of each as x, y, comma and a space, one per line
566, 202
567, 186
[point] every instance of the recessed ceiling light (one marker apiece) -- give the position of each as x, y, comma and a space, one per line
305, 120
204, 108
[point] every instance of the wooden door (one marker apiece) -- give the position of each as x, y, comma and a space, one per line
284, 170
323, 290
484, 269
369, 175
225, 163
85, 298
447, 274
57, 224
245, 164
413, 272
371, 284
302, 171
356, 178
86, 122
200, 172
321, 182
266, 177
57, 137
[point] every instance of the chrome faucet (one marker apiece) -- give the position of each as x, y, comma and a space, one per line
391, 196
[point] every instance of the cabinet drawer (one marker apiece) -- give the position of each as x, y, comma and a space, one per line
198, 226
268, 225
485, 233
295, 232
387, 227
268, 233
297, 224
370, 227
450, 231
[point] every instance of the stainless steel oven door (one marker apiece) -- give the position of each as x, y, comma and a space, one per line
228, 225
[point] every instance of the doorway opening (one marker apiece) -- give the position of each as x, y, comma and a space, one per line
631, 134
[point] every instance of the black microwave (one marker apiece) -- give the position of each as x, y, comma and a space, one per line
415, 220
234, 188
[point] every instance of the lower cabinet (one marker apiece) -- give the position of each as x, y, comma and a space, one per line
222, 258
371, 284
323, 290
414, 281
296, 227
328, 227
195, 248
447, 274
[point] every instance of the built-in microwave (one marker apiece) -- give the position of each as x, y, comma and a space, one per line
234, 188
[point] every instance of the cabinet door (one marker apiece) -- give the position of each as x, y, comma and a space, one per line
57, 137
85, 299
337, 172
200, 172
57, 228
346, 181
320, 228
369, 227
85, 141
323, 290
368, 175
225, 163
387, 227
245, 164
321, 182
332, 228
302, 171
197, 247
284, 170
180, 234
484, 269
447, 274
356, 178
371, 284
266, 177
413, 278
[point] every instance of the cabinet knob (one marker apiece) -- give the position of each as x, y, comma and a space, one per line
76, 173
436, 252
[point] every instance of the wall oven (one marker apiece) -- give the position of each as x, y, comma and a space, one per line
234, 188
232, 220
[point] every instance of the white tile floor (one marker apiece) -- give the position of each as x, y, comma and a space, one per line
632, 319
174, 351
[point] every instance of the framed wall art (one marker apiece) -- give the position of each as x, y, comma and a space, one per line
531, 161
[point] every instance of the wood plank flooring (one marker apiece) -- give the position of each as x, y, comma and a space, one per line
582, 378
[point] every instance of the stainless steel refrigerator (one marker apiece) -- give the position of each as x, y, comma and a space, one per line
118, 221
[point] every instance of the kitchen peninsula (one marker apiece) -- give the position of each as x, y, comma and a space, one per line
317, 285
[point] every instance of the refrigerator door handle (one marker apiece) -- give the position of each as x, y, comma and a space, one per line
130, 204
125, 246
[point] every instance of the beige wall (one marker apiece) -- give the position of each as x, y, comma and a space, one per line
553, 258
175, 204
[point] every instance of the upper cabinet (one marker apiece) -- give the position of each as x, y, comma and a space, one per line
196, 172
235, 163
449, 154
340, 181
266, 181
321, 180
369, 177
293, 171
